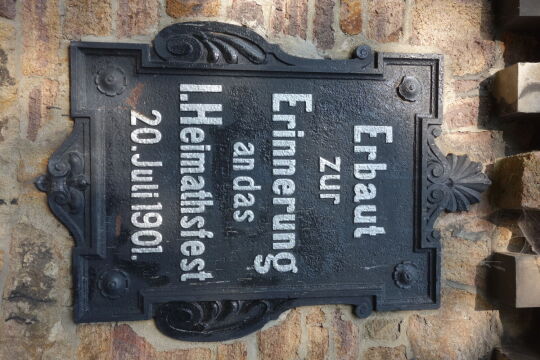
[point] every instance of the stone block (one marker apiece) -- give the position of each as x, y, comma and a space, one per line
504, 240
457, 330
470, 236
234, 351
323, 31
462, 113
346, 337
383, 329
386, 20
247, 12
87, 17
136, 17
462, 30
33, 294
282, 341
386, 353
8, 9
516, 182
41, 37
317, 335
192, 8
514, 280
517, 89
483, 146
350, 16
8, 83
461, 87
289, 17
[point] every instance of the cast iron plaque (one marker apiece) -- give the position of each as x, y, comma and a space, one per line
213, 181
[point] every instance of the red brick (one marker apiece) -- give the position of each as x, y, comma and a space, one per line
39, 99
465, 234
484, 146
246, 12
386, 20
127, 345
87, 17
289, 17
516, 182
462, 30
95, 341
465, 86
457, 330
323, 30
41, 37
281, 342
235, 351
136, 17
317, 335
386, 353
346, 339
350, 15
463, 113
183, 8
383, 329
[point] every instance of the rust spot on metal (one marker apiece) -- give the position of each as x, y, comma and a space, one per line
133, 98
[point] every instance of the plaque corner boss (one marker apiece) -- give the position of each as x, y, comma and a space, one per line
356, 157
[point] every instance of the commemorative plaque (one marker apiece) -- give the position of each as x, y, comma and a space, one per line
212, 181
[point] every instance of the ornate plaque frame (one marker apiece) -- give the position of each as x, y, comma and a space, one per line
77, 192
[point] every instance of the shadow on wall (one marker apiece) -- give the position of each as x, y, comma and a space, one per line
520, 326
520, 134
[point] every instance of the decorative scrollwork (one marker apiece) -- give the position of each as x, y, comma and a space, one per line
65, 182
363, 307
454, 183
195, 44
216, 320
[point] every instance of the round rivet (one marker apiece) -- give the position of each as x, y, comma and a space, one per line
362, 52
410, 89
405, 274
364, 308
111, 81
113, 284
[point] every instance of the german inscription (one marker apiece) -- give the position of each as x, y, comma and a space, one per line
213, 181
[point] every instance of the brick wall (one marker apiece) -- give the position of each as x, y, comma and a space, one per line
35, 282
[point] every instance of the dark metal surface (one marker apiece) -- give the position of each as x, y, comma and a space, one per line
213, 240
